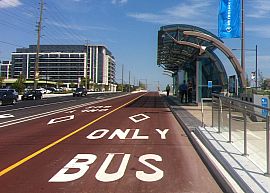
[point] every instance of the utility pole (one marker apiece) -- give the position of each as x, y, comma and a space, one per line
36, 75
86, 80
129, 81
256, 71
122, 77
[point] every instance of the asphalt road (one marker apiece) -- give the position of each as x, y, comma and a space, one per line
128, 144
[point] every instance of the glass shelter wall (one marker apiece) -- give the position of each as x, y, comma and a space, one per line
208, 71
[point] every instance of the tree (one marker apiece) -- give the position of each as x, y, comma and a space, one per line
261, 80
72, 85
59, 84
1, 81
119, 87
247, 81
83, 81
19, 84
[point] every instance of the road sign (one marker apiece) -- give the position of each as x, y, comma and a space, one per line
210, 84
264, 102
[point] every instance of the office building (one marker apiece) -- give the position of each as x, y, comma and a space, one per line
5, 69
68, 64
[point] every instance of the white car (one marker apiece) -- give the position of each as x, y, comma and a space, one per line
42, 90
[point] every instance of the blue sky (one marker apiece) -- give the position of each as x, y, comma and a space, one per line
129, 29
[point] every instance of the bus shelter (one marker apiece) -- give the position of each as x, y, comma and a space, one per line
187, 52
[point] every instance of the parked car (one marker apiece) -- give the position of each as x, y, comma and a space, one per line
80, 92
7, 97
32, 95
13, 91
42, 90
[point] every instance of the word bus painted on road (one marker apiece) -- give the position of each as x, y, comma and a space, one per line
82, 162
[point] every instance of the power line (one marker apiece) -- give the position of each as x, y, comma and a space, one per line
60, 20
16, 16
12, 44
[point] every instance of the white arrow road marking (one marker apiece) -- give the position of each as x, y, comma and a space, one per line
139, 118
4, 116
61, 119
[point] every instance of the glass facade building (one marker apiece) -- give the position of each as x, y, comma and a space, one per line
5, 69
66, 63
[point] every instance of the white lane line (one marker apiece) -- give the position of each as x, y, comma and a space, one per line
36, 106
32, 117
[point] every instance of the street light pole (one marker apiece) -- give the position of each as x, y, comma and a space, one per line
256, 63
243, 42
256, 72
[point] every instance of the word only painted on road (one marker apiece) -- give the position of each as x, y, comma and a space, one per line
81, 164
120, 134
93, 109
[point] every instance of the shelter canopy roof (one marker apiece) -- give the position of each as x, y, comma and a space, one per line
172, 56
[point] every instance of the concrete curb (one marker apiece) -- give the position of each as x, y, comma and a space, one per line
224, 163
225, 185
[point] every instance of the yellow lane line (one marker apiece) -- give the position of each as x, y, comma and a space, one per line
13, 166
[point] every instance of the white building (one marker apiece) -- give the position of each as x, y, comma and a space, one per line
67, 64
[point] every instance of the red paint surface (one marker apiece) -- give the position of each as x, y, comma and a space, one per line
183, 169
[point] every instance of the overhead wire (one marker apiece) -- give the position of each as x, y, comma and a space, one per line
56, 28
12, 44
57, 16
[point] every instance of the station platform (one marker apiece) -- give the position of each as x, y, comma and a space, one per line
224, 160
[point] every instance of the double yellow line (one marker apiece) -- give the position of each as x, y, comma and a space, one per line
15, 165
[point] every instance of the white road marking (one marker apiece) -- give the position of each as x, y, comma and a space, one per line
41, 115
71, 111
92, 109
61, 119
102, 110
144, 117
4, 116
35, 106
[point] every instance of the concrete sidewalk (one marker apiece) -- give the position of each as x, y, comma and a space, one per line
226, 161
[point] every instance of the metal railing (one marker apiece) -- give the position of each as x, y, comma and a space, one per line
246, 125
203, 100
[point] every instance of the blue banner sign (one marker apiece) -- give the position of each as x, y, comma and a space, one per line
264, 104
229, 19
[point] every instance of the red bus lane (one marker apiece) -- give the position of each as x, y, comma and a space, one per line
138, 148
24, 138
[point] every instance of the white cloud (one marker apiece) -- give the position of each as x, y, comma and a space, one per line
119, 1
9, 3
193, 8
79, 27
194, 12
261, 30
258, 9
